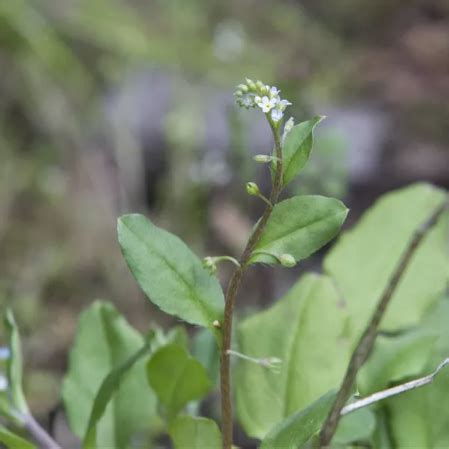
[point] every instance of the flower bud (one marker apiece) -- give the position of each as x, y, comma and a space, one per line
209, 265
287, 260
263, 158
272, 363
252, 189
251, 84
289, 125
260, 86
243, 88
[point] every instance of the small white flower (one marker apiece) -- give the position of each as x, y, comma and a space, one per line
247, 100
274, 91
283, 104
266, 104
276, 115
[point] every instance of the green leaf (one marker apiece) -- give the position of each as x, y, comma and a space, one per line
296, 430
307, 330
104, 343
297, 147
395, 359
13, 441
169, 273
14, 364
356, 427
363, 260
177, 378
106, 392
419, 418
299, 226
195, 433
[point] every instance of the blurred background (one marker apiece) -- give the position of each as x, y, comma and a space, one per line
116, 106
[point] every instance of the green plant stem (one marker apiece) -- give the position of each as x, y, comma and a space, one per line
231, 294
366, 342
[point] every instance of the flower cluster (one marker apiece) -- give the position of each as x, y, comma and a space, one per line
252, 94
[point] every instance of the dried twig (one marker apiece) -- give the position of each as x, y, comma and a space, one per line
394, 391
38, 433
366, 342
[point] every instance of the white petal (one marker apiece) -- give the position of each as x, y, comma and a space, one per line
276, 114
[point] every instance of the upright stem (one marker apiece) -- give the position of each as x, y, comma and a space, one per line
231, 294
366, 342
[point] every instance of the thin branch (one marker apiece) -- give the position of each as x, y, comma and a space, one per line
394, 391
38, 433
366, 342
231, 294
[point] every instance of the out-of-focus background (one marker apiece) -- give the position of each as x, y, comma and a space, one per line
115, 106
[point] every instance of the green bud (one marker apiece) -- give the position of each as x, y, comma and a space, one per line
251, 84
260, 85
238, 93
263, 158
243, 88
287, 260
252, 189
209, 265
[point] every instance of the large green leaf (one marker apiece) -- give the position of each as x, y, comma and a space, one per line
307, 330
296, 430
14, 364
395, 359
299, 226
177, 378
13, 441
419, 418
188, 432
363, 260
169, 273
297, 147
106, 392
105, 342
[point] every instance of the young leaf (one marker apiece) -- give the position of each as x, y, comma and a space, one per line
364, 258
297, 429
176, 378
106, 392
297, 147
13, 441
105, 342
14, 364
307, 330
299, 226
195, 433
169, 273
